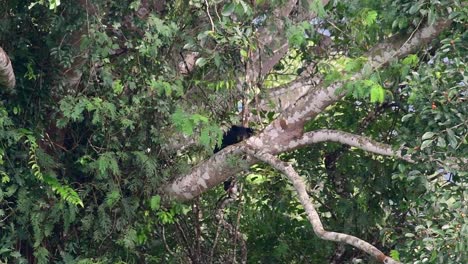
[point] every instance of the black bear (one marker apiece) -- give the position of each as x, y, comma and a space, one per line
234, 135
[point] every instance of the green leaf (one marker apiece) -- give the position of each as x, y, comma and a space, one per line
402, 22
107, 162
370, 18
431, 16
165, 217
64, 191
354, 65
377, 94
426, 144
452, 139
394, 254
411, 60
318, 8
246, 8
155, 202
205, 138
182, 122
243, 53
4, 177
197, 118
42, 254
406, 117
53, 4
414, 8
112, 198
296, 36
427, 135
117, 87
441, 142
201, 62
217, 60
228, 9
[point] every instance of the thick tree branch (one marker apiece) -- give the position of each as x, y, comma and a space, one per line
312, 213
282, 133
7, 76
394, 48
290, 123
208, 174
280, 98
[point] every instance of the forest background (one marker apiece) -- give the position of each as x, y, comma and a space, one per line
110, 111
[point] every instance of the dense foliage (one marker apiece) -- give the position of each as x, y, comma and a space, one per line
105, 94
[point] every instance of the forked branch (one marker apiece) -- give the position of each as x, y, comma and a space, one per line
312, 214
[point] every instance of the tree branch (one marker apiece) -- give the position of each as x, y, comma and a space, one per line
289, 125
281, 134
394, 48
353, 140
7, 76
312, 213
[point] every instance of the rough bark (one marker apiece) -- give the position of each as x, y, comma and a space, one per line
7, 76
345, 138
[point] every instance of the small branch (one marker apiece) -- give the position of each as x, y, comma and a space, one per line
165, 242
233, 232
215, 243
312, 214
239, 211
209, 15
196, 212
184, 238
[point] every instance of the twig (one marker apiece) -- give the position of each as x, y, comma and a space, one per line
196, 212
165, 242
239, 211
209, 15
184, 238
218, 229
229, 228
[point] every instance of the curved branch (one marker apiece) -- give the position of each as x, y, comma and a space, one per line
7, 76
312, 213
353, 140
